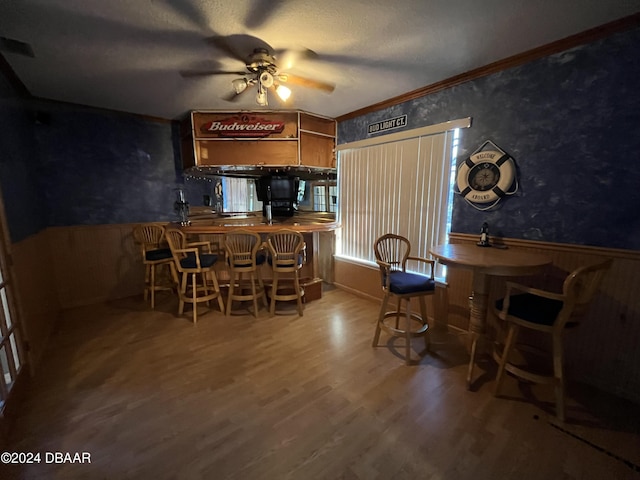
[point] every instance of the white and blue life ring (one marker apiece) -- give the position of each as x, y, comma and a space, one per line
485, 177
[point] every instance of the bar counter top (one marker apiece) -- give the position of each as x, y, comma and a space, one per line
302, 222
311, 224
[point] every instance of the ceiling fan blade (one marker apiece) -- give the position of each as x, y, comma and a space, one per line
204, 73
239, 46
260, 12
189, 12
306, 82
287, 58
359, 61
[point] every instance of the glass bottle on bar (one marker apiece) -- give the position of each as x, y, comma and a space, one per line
181, 207
267, 207
484, 236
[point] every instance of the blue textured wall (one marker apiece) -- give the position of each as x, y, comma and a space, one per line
64, 164
18, 165
571, 121
101, 167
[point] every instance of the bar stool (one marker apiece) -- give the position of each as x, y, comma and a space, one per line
150, 237
548, 312
287, 254
392, 254
194, 261
243, 257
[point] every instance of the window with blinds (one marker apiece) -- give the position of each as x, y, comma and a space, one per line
400, 186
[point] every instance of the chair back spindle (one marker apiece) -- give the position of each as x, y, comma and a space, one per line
393, 250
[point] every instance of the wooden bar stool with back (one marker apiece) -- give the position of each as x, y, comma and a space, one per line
392, 254
243, 257
287, 254
548, 312
195, 262
155, 255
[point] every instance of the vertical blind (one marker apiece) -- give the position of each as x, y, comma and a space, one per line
399, 187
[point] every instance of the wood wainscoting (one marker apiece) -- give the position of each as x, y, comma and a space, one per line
602, 352
64, 267
95, 263
37, 300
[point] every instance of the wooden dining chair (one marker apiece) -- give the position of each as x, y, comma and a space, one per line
548, 312
195, 262
392, 255
243, 257
155, 256
286, 255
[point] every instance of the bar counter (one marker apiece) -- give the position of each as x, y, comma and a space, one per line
310, 224
303, 223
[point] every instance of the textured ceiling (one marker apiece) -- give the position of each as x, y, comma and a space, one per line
127, 55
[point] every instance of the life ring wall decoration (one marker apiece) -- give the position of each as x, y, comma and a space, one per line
486, 177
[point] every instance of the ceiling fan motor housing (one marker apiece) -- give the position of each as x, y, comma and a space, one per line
261, 60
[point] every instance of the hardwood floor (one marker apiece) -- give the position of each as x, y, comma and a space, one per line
149, 395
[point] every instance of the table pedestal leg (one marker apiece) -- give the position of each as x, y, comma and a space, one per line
472, 359
477, 318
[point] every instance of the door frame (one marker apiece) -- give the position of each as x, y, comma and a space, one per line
11, 395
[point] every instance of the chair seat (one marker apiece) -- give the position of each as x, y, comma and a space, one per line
159, 254
300, 261
206, 260
533, 308
403, 283
260, 259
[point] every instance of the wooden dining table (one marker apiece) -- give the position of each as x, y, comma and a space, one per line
485, 262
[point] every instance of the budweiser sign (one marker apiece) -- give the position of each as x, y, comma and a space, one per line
243, 126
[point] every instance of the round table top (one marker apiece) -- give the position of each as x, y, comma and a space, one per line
490, 260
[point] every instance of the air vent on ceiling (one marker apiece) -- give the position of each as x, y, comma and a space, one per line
10, 45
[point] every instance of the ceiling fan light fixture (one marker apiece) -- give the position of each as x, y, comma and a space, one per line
239, 85
283, 92
261, 97
266, 79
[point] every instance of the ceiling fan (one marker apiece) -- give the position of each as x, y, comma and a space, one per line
263, 71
